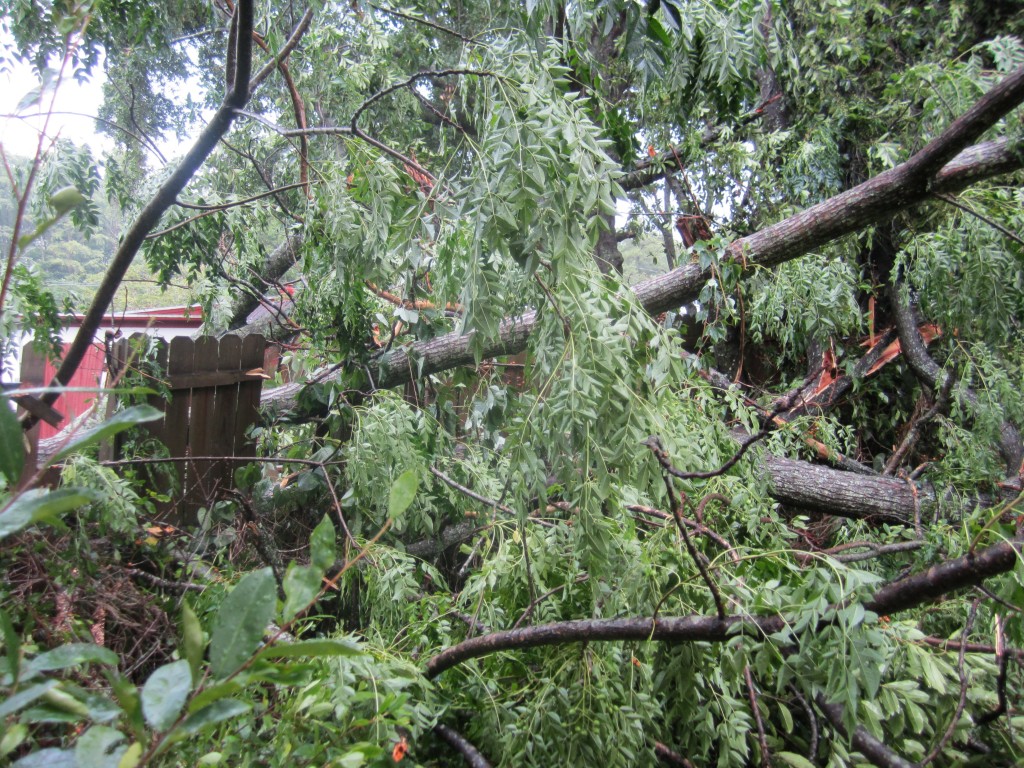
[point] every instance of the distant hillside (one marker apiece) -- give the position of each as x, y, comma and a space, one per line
71, 264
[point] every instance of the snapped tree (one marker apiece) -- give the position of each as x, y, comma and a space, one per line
762, 507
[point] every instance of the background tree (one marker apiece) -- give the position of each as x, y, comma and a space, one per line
776, 527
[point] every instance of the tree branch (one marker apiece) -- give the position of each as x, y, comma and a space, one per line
897, 596
462, 745
863, 742
1011, 447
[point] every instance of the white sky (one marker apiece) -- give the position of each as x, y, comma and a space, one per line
20, 136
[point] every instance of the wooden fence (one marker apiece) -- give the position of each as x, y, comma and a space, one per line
210, 397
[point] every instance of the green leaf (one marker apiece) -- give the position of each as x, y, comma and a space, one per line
192, 643
215, 713
165, 693
787, 718
216, 692
13, 738
322, 545
312, 649
66, 199
24, 697
93, 749
301, 585
70, 655
48, 758
241, 621
12, 444
25, 240
32, 98
41, 505
119, 422
795, 760
403, 491
131, 756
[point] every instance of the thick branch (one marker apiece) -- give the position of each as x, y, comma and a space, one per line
897, 596
277, 262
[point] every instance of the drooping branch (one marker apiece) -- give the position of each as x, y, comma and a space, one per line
161, 201
892, 598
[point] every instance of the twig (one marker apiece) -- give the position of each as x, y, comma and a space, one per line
677, 511
768, 427
962, 702
703, 530
762, 739
991, 222
472, 623
537, 601
876, 550
939, 406
156, 581
948, 645
358, 132
996, 598
471, 494
670, 757
424, 22
1001, 658
212, 209
812, 721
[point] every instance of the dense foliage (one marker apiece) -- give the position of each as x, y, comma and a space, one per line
761, 509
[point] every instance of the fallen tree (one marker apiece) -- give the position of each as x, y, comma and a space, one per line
947, 164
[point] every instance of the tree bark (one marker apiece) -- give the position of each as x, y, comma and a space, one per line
875, 498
